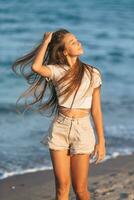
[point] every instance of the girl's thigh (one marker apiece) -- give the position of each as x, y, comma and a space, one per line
61, 166
79, 170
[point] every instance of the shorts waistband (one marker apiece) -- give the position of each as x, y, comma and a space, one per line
73, 118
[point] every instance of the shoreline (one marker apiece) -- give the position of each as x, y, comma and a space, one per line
112, 179
34, 170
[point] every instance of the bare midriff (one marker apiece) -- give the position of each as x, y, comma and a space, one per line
74, 112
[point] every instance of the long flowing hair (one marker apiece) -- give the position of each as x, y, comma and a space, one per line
40, 87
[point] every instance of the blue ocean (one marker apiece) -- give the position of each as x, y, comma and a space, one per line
105, 29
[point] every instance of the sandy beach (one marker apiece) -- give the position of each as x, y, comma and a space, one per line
110, 180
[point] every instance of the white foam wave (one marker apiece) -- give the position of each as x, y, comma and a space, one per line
18, 172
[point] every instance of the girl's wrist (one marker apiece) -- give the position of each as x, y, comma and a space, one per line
45, 43
101, 141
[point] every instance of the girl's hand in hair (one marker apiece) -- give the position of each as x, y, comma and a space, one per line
47, 37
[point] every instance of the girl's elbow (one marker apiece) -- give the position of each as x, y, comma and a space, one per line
96, 111
35, 68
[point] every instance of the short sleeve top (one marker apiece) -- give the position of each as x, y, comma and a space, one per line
81, 100
56, 72
97, 79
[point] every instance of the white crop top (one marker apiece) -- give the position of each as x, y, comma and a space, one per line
85, 101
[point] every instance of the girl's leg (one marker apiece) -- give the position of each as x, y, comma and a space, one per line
79, 172
61, 166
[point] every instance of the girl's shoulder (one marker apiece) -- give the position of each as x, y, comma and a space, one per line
93, 69
58, 66
96, 75
57, 70
96, 70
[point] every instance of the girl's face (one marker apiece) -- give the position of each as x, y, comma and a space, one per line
72, 45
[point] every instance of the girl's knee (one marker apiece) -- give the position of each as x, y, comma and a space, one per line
82, 191
62, 192
63, 187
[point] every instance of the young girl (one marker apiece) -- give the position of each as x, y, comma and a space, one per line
74, 88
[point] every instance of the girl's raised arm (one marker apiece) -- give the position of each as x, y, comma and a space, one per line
37, 65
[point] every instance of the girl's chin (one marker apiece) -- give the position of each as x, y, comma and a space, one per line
81, 52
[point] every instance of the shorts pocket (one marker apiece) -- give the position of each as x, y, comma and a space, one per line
85, 125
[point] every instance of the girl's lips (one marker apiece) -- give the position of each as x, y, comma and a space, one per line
80, 48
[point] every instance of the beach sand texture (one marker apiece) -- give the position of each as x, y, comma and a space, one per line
110, 180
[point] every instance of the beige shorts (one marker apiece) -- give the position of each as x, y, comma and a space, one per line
74, 134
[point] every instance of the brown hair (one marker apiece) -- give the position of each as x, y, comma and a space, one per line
39, 84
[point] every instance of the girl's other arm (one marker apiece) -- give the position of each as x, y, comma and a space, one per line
97, 114
99, 150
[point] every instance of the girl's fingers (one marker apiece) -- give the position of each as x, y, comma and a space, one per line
97, 161
100, 157
47, 36
95, 154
